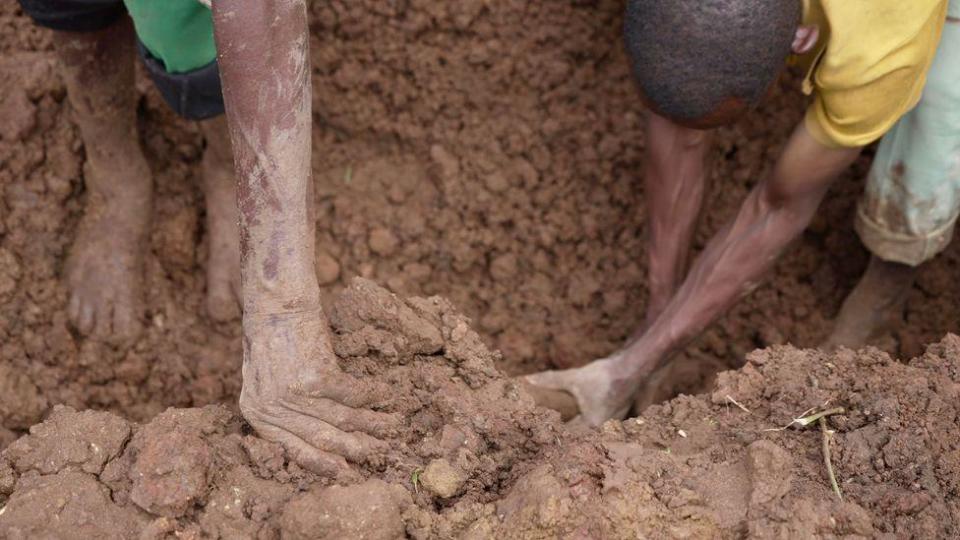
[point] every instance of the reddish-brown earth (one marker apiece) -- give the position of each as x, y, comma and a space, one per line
489, 153
476, 458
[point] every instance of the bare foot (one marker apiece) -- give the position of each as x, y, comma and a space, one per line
220, 192
873, 306
105, 266
294, 393
594, 391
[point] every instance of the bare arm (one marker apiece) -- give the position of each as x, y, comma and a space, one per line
264, 66
293, 390
675, 176
772, 216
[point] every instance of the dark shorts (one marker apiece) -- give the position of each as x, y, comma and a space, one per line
195, 94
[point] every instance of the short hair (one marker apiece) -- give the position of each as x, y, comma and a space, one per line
703, 63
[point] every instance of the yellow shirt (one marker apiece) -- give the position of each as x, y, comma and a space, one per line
870, 65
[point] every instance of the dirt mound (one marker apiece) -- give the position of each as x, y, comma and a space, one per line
478, 460
703, 467
466, 429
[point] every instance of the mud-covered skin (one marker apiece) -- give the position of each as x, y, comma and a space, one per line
703, 63
293, 391
223, 242
105, 267
876, 302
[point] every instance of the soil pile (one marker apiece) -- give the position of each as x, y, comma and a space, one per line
197, 471
478, 460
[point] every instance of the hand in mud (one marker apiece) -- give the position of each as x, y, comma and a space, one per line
596, 392
294, 393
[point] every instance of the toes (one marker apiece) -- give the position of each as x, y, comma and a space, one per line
73, 310
347, 390
103, 321
320, 435
222, 305
126, 323
85, 318
355, 447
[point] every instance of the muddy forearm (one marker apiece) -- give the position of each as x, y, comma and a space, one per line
773, 215
675, 177
264, 65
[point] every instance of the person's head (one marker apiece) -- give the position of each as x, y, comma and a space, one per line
703, 63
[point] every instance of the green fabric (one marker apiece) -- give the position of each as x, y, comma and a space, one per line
178, 32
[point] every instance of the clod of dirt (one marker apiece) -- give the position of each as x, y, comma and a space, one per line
67, 505
771, 472
372, 510
70, 440
171, 461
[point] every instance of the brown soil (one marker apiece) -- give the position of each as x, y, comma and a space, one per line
478, 460
488, 153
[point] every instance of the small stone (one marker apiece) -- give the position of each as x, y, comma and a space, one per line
382, 241
442, 479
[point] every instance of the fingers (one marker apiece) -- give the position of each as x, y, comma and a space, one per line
377, 424
553, 380
126, 323
311, 458
318, 434
346, 389
559, 400
103, 322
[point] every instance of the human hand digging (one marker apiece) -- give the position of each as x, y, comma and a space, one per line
594, 393
293, 392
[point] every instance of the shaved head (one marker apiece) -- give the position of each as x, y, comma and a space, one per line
703, 63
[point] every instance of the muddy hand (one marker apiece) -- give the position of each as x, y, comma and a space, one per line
294, 393
593, 392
